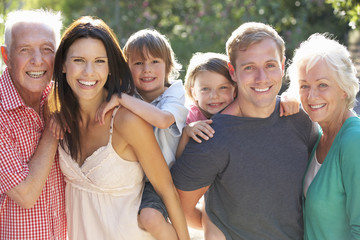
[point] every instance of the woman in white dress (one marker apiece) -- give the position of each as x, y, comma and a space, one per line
104, 164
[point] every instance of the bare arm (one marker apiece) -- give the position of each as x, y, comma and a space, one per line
289, 105
182, 144
140, 136
189, 199
153, 115
28, 191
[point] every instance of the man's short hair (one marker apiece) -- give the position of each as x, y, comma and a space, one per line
47, 17
250, 33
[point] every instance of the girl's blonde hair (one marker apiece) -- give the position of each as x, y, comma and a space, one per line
206, 62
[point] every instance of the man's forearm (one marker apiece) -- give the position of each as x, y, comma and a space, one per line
28, 191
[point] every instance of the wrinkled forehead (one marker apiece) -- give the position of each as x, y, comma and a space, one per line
29, 33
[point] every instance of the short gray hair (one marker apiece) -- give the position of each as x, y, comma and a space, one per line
324, 47
47, 17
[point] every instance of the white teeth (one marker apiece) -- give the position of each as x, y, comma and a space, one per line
147, 79
261, 89
317, 106
36, 74
86, 83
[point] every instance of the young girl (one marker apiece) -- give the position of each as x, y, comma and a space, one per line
210, 89
161, 103
104, 164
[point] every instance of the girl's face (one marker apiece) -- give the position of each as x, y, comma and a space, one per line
212, 92
148, 75
86, 71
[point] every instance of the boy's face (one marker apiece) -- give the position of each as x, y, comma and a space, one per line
258, 73
148, 75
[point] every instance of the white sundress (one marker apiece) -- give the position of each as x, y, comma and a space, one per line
103, 195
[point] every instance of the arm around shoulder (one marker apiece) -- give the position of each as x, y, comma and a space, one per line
153, 115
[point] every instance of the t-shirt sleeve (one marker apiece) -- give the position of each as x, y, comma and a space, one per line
350, 169
307, 128
12, 169
175, 106
314, 135
198, 166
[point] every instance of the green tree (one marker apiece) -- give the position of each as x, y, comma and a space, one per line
204, 25
349, 10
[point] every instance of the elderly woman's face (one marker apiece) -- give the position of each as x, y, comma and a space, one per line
320, 94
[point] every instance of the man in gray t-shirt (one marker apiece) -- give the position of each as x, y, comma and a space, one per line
253, 166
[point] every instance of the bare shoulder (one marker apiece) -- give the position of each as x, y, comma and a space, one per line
232, 109
126, 122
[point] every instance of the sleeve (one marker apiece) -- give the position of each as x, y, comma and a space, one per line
315, 134
175, 106
350, 169
198, 166
12, 169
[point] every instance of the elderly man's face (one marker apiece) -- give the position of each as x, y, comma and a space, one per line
31, 58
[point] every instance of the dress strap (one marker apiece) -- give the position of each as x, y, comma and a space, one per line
112, 122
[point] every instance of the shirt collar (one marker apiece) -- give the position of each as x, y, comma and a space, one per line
171, 91
10, 97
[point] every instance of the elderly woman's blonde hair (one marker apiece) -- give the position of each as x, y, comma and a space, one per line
323, 47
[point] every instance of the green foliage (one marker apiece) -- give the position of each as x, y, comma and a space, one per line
349, 10
204, 25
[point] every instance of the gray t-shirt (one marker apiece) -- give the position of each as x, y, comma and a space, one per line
254, 167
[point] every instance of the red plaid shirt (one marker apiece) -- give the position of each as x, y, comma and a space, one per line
20, 132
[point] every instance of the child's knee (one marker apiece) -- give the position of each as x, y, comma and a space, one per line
150, 218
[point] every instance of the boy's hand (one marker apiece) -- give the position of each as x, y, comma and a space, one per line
200, 129
106, 107
289, 105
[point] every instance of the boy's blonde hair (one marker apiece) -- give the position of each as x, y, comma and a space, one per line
206, 62
250, 33
150, 42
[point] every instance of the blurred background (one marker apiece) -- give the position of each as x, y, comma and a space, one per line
204, 25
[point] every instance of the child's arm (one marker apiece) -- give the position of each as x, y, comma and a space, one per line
195, 130
153, 115
55, 127
149, 155
289, 105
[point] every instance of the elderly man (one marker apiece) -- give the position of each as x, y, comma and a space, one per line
31, 183
254, 165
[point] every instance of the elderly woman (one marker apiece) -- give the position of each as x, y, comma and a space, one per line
325, 78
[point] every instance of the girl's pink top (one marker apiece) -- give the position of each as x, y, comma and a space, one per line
194, 114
